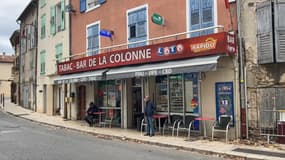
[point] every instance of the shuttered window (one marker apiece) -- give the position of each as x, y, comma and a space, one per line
43, 26
43, 61
93, 39
201, 16
58, 51
57, 18
137, 27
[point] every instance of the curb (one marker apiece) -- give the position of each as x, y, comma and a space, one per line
111, 137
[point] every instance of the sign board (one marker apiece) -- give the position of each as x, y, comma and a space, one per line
224, 99
157, 19
219, 43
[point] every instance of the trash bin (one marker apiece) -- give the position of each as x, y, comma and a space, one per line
281, 131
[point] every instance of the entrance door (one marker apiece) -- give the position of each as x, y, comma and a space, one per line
81, 102
137, 106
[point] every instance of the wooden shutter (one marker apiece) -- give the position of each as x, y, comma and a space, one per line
52, 20
82, 6
62, 15
279, 30
264, 33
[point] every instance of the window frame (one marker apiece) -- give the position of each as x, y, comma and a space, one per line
142, 7
42, 62
87, 42
188, 19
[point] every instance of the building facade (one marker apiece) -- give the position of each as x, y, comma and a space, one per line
6, 63
262, 37
28, 55
53, 45
15, 86
182, 54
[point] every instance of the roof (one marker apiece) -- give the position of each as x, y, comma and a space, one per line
14, 39
7, 58
27, 9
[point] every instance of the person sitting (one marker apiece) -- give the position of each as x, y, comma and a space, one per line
90, 117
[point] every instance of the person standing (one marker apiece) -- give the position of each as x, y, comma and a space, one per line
148, 112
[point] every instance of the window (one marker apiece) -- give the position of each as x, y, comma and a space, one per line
161, 94
201, 16
31, 35
42, 3
137, 27
109, 93
23, 45
43, 26
43, 61
58, 49
90, 4
57, 20
180, 91
93, 39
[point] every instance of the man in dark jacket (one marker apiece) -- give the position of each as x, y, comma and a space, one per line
90, 117
148, 112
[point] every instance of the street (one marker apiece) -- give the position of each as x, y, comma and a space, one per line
24, 140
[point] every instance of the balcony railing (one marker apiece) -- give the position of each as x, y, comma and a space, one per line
177, 36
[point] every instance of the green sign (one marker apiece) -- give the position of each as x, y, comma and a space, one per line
157, 19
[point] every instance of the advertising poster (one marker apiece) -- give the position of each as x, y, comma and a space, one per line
224, 99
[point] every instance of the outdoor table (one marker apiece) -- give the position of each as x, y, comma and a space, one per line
204, 119
159, 116
100, 116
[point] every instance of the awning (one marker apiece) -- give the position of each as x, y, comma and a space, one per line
80, 77
201, 64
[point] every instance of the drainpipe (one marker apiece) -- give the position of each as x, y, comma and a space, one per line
36, 57
242, 82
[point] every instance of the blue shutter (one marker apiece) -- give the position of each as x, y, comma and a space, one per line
207, 15
82, 6
195, 17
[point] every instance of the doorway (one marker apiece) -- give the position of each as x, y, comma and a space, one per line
81, 102
137, 106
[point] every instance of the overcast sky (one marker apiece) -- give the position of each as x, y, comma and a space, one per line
10, 10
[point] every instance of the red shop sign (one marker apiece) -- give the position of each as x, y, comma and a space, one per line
219, 43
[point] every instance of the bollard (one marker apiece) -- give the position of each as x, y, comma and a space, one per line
3, 100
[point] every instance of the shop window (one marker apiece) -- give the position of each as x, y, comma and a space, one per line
161, 94
191, 92
137, 27
176, 93
201, 16
93, 39
109, 94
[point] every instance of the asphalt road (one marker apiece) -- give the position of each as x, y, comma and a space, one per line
24, 140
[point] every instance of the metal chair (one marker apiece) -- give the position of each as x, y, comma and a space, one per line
187, 125
143, 124
172, 123
222, 125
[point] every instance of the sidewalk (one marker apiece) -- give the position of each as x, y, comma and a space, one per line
218, 148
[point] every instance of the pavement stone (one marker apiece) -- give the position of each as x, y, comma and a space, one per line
204, 146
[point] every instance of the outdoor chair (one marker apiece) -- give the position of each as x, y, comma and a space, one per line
109, 119
222, 125
172, 124
143, 125
187, 125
